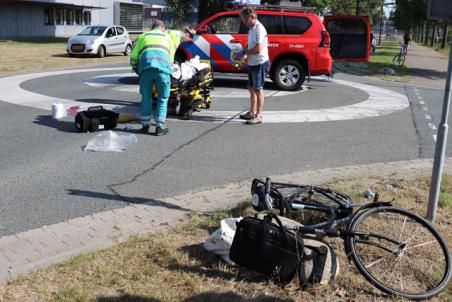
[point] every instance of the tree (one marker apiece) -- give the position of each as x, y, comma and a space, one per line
179, 10
207, 8
410, 13
320, 5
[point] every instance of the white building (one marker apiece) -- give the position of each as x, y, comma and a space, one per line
64, 18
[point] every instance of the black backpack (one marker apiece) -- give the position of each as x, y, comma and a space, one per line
96, 118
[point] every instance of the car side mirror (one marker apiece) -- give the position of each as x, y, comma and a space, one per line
203, 30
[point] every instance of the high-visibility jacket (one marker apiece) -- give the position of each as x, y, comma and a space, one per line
176, 37
153, 49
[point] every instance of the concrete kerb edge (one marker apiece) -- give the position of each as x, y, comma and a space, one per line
220, 197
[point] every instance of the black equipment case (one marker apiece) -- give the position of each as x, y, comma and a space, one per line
96, 118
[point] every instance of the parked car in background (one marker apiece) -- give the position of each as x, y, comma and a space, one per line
299, 43
100, 40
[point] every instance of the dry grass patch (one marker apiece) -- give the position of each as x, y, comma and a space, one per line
37, 55
171, 265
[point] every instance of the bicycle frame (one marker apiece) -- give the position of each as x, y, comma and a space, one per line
333, 227
345, 223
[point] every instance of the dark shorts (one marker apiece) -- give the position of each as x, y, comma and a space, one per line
257, 74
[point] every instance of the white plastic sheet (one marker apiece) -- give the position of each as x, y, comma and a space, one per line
187, 69
220, 241
177, 73
109, 141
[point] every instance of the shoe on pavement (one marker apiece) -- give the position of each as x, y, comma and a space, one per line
161, 131
254, 121
145, 129
246, 116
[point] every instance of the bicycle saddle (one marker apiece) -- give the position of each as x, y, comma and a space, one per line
261, 199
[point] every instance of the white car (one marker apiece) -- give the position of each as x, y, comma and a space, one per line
100, 40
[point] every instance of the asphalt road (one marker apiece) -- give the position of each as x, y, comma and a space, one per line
46, 177
427, 108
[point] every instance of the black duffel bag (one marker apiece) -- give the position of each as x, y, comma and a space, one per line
96, 118
267, 248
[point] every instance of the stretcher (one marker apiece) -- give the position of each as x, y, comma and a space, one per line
190, 95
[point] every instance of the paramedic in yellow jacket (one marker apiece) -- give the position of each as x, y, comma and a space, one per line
152, 58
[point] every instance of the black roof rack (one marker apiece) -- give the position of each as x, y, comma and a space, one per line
279, 8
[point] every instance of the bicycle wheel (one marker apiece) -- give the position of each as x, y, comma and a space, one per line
398, 59
400, 253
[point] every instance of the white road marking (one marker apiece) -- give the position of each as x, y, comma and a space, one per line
381, 101
432, 126
424, 108
428, 116
13, 93
422, 102
112, 81
434, 137
420, 98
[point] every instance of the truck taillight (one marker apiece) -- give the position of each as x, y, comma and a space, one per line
326, 41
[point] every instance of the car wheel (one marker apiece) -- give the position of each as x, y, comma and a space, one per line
128, 50
101, 51
289, 75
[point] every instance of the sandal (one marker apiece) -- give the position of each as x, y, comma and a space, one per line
246, 116
254, 121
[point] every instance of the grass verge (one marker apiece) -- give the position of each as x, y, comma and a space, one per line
37, 55
171, 265
381, 58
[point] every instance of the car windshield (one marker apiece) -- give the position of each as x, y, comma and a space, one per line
93, 31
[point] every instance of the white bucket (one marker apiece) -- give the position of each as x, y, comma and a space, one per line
58, 110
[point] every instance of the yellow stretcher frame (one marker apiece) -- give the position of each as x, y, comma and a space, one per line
183, 101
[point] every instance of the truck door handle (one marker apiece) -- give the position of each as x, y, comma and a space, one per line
235, 41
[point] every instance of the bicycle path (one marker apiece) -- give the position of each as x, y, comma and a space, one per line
33, 249
427, 67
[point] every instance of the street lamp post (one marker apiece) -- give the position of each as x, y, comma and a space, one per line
381, 22
383, 4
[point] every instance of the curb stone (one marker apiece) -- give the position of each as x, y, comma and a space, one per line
37, 248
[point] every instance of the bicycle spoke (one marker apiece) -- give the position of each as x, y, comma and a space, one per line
401, 254
397, 260
376, 262
401, 231
421, 244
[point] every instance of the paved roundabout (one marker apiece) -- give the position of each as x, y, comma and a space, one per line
115, 87
46, 177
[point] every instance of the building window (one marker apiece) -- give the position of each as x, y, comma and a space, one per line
69, 17
87, 17
48, 16
59, 16
78, 17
